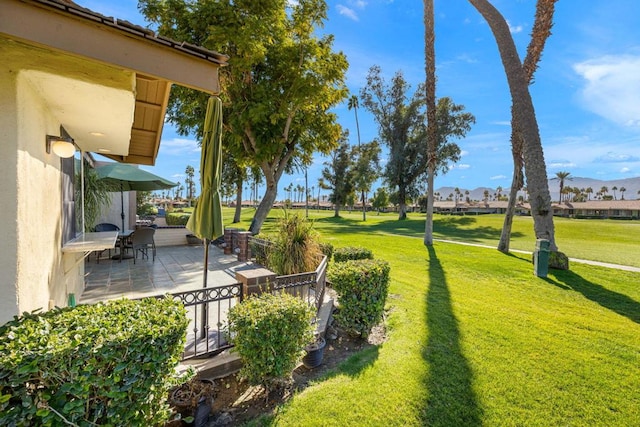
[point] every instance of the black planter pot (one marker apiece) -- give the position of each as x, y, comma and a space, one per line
315, 354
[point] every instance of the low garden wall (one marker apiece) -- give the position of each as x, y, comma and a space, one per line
171, 235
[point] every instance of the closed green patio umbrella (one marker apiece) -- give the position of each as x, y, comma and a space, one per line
206, 220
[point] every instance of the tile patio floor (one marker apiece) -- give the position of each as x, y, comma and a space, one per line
176, 269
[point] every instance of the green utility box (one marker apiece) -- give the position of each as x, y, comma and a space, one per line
541, 258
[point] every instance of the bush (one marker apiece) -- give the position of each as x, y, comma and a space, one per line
147, 209
295, 247
351, 253
327, 249
110, 363
177, 218
269, 333
362, 286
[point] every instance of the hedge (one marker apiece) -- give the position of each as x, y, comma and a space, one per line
179, 218
362, 287
351, 253
104, 364
269, 333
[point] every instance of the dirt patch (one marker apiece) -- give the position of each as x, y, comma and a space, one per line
236, 402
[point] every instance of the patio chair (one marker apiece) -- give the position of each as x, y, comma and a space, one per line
142, 241
105, 226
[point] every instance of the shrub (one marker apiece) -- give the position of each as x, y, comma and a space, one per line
362, 286
110, 363
295, 248
327, 249
269, 333
177, 218
351, 253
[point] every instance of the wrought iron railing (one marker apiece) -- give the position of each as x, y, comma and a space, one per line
207, 308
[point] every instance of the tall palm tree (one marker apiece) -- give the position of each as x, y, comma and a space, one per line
525, 118
622, 190
589, 191
604, 190
561, 177
614, 188
432, 127
354, 104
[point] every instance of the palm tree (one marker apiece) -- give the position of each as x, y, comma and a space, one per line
540, 34
614, 188
589, 191
525, 118
622, 190
604, 190
432, 126
561, 177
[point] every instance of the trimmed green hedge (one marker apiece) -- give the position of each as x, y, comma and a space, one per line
177, 218
104, 364
351, 253
269, 333
362, 286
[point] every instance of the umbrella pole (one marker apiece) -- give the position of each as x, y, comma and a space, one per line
122, 206
205, 307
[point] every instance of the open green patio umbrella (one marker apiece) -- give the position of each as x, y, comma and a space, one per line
206, 220
130, 178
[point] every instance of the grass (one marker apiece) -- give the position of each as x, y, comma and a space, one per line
476, 339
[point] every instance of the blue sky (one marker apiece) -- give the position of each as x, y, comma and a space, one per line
586, 91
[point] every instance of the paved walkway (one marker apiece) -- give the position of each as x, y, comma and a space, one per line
176, 269
581, 261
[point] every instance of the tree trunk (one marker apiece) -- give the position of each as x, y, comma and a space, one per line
430, 93
516, 184
428, 226
402, 203
364, 208
265, 205
236, 216
535, 170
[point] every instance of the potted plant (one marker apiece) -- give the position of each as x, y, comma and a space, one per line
193, 400
314, 353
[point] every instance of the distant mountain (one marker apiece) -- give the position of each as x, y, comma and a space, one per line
632, 186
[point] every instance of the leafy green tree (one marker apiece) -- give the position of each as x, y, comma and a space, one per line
278, 88
365, 170
337, 176
402, 128
380, 199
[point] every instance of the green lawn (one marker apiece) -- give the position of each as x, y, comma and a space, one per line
476, 339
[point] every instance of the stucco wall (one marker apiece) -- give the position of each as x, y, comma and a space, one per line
45, 276
8, 189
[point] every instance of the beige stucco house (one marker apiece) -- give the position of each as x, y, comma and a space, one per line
67, 71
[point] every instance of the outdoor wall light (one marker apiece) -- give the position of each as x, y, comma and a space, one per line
62, 147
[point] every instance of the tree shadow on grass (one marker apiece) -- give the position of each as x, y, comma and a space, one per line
451, 401
449, 227
614, 301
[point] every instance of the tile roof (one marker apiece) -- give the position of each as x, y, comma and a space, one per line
71, 8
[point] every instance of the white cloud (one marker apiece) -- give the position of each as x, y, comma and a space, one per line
178, 146
502, 123
360, 4
345, 11
462, 166
625, 170
612, 157
612, 87
559, 164
463, 153
496, 177
514, 29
